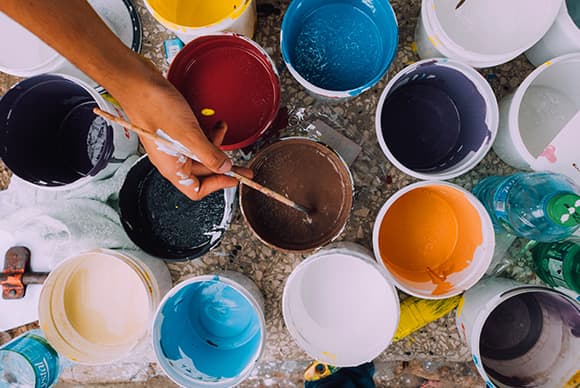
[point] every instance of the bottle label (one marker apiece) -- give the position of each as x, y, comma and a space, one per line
556, 256
41, 356
555, 270
500, 201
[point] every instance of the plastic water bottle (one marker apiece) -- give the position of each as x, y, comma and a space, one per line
558, 264
539, 206
29, 361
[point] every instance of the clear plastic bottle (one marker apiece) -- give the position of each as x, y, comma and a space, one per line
29, 361
539, 206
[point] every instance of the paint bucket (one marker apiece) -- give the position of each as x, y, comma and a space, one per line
25, 55
96, 307
190, 19
436, 119
309, 173
231, 78
562, 38
521, 335
435, 239
209, 331
339, 306
482, 33
339, 48
540, 122
165, 223
51, 138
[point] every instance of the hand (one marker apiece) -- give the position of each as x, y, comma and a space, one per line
160, 105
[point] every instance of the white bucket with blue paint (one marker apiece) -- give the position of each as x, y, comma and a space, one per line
210, 330
338, 48
482, 33
521, 335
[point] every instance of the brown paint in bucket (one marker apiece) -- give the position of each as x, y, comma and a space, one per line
310, 174
428, 236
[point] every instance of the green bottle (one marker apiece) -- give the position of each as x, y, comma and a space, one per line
558, 263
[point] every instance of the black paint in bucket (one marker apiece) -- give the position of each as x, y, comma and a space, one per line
49, 135
433, 117
164, 222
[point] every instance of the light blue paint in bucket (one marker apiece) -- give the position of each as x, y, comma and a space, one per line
209, 331
339, 48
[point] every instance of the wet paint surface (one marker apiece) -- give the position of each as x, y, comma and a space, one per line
197, 13
209, 331
232, 78
429, 234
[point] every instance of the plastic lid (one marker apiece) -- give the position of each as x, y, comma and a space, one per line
564, 209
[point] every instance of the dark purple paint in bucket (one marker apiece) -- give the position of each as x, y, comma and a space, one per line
434, 117
49, 135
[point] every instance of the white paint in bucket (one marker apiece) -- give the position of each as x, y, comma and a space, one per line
470, 160
549, 357
339, 306
482, 33
208, 323
96, 307
455, 282
562, 38
542, 110
241, 20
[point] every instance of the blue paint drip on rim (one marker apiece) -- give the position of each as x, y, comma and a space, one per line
208, 331
343, 45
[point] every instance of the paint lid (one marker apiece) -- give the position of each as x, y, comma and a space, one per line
564, 209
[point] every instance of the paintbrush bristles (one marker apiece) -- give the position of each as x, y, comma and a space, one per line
156, 138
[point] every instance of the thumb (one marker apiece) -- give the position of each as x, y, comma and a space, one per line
212, 157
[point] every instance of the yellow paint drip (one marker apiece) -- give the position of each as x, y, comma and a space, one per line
574, 382
207, 112
197, 13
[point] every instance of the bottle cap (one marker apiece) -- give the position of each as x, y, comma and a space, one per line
564, 209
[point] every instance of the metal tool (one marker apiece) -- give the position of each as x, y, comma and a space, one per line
14, 278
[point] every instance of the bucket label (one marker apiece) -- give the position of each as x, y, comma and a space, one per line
499, 202
41, 356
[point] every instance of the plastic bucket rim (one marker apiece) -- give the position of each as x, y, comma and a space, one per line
487, 231
320, 255
491, 119
242, 291
339, 94
274, 79
339, 232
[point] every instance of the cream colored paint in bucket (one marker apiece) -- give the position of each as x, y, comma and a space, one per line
188, 19
96, 307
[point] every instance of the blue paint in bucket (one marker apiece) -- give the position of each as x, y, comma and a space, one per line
339, 48
207, 331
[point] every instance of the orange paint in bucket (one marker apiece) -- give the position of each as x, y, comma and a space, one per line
429, 236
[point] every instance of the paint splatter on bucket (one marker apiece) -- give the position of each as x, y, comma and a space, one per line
164, 222
437, 119
210, 330
233, 79
521, 335
312, 175
51, 138
338, 49
339, 306
434, 239
96, 307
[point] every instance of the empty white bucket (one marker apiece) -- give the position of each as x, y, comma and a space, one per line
96, 307
539, 124
521, 335
339, 306
482, 33
562, 38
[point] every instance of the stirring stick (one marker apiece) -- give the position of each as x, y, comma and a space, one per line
246, 181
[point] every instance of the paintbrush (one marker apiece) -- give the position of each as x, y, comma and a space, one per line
182, 150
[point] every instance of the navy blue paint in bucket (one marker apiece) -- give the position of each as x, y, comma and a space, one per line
49, 135
437, 119
339, 48
210, 330
164, 222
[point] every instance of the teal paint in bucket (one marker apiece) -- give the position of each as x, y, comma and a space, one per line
339, 48
210, 330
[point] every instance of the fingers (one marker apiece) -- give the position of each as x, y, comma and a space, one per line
207, 152
219, 133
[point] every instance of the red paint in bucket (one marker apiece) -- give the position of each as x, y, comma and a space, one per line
228, 77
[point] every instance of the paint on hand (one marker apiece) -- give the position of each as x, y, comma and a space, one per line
429, 234
177, 148
197, 13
